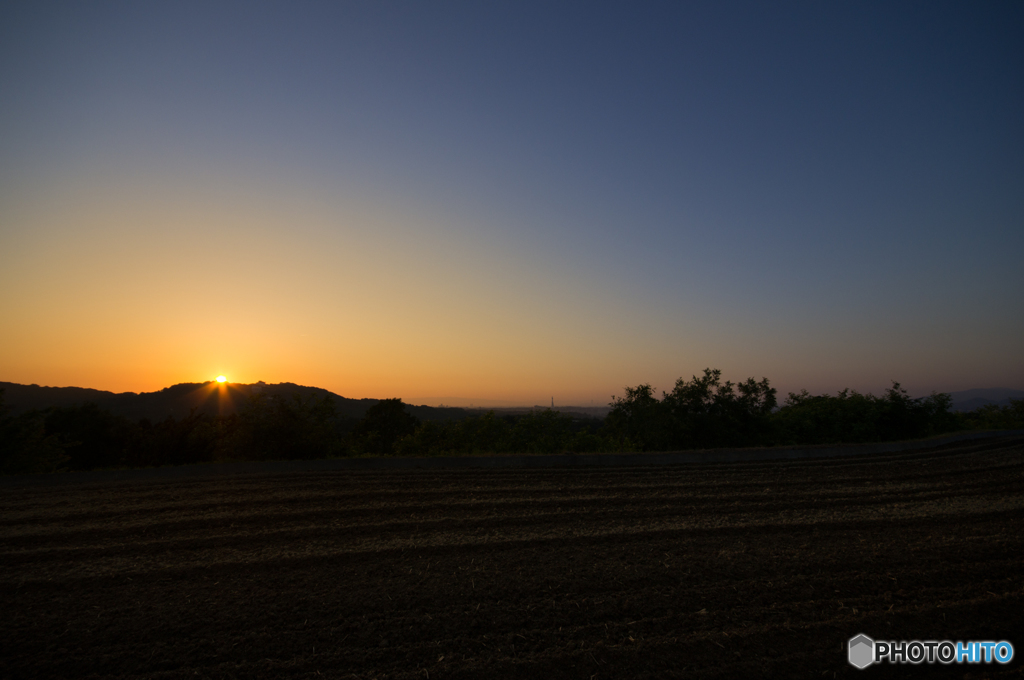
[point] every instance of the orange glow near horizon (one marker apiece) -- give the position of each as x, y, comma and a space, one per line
291, 311
368, 301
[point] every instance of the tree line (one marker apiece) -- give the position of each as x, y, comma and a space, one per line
703, 412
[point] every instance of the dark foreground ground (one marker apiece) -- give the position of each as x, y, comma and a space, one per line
733, 570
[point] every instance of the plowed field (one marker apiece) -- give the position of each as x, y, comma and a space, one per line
738, 570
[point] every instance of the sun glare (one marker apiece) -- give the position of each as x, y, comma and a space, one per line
221, 379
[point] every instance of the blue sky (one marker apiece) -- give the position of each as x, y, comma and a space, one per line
503, 202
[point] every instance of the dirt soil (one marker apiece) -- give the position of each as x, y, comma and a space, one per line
733, 570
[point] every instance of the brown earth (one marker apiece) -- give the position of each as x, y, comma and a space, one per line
732, 570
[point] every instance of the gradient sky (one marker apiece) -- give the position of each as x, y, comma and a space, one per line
501, 203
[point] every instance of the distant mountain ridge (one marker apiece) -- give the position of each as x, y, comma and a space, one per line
968, 400
179, 400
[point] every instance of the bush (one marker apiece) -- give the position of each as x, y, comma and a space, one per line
993, 417
856, 418
700, 413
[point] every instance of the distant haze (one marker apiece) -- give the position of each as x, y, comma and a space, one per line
500, 204
968, 400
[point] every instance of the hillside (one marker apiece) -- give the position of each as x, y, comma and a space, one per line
179, 400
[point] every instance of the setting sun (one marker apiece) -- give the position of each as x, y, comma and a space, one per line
221, 379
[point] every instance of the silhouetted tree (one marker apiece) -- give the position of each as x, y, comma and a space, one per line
853, 417
384, 424
995, 417
274, 427
25, 445
92, 437
192, 439
638, 420
704, 412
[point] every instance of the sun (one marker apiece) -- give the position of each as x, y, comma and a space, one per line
221, 379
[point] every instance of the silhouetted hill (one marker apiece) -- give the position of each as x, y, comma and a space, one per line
178, 401
968, 400
20, 398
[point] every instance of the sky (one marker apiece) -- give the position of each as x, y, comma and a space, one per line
505, 203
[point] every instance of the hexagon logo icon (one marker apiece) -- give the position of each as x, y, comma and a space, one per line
861, 650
